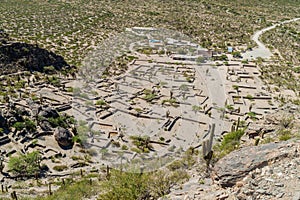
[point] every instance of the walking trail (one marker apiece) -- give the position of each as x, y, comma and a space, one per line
262, 51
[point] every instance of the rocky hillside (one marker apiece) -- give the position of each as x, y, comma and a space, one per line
269, 171
16, 56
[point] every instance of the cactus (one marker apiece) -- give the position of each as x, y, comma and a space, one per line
207, 146
237, 125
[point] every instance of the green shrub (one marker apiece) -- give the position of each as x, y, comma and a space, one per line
162, 181
20, 84
49, 69
249, 96
55, 81
236, 54
229, 107
296, 69
62, 121
132, 186
200, 60
175, 165
149, 97
220, 58
284, 135
28, 124
267, 140
59, 121
70, 89
19, 126
235, 87
81, 136
124, 147
183, 87
172, 102
142, 143
230, 142
25, 165
74, 190
60, 168
76, 91
252, 115
129, 186
286, 122
101, 102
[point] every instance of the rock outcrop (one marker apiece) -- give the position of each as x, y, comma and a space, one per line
15, 56
49, 112
63, 137
238, 164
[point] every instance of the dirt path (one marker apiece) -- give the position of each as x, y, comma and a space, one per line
262, 51
215, 87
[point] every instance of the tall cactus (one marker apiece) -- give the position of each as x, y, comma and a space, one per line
238, 124
207, 146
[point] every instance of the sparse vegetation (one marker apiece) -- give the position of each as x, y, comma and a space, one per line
74, 28
101, 102
230, 142
142, 143
60, 168
131, 186
149, 95
67, 20
73, 190
170, 102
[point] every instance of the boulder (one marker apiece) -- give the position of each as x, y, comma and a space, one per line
23, 112
63, 137
236, 165
49, 112
45, 126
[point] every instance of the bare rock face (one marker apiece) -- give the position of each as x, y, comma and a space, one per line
236, 165
45, 126
63, 137
49, 112
22, 56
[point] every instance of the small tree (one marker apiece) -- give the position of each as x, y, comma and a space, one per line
25, 165
236, 88
200, 60
237, 54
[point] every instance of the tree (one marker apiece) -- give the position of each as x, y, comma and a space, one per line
200, 60
25, 165
236, 54
28, 124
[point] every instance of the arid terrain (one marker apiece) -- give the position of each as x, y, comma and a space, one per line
149, 100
